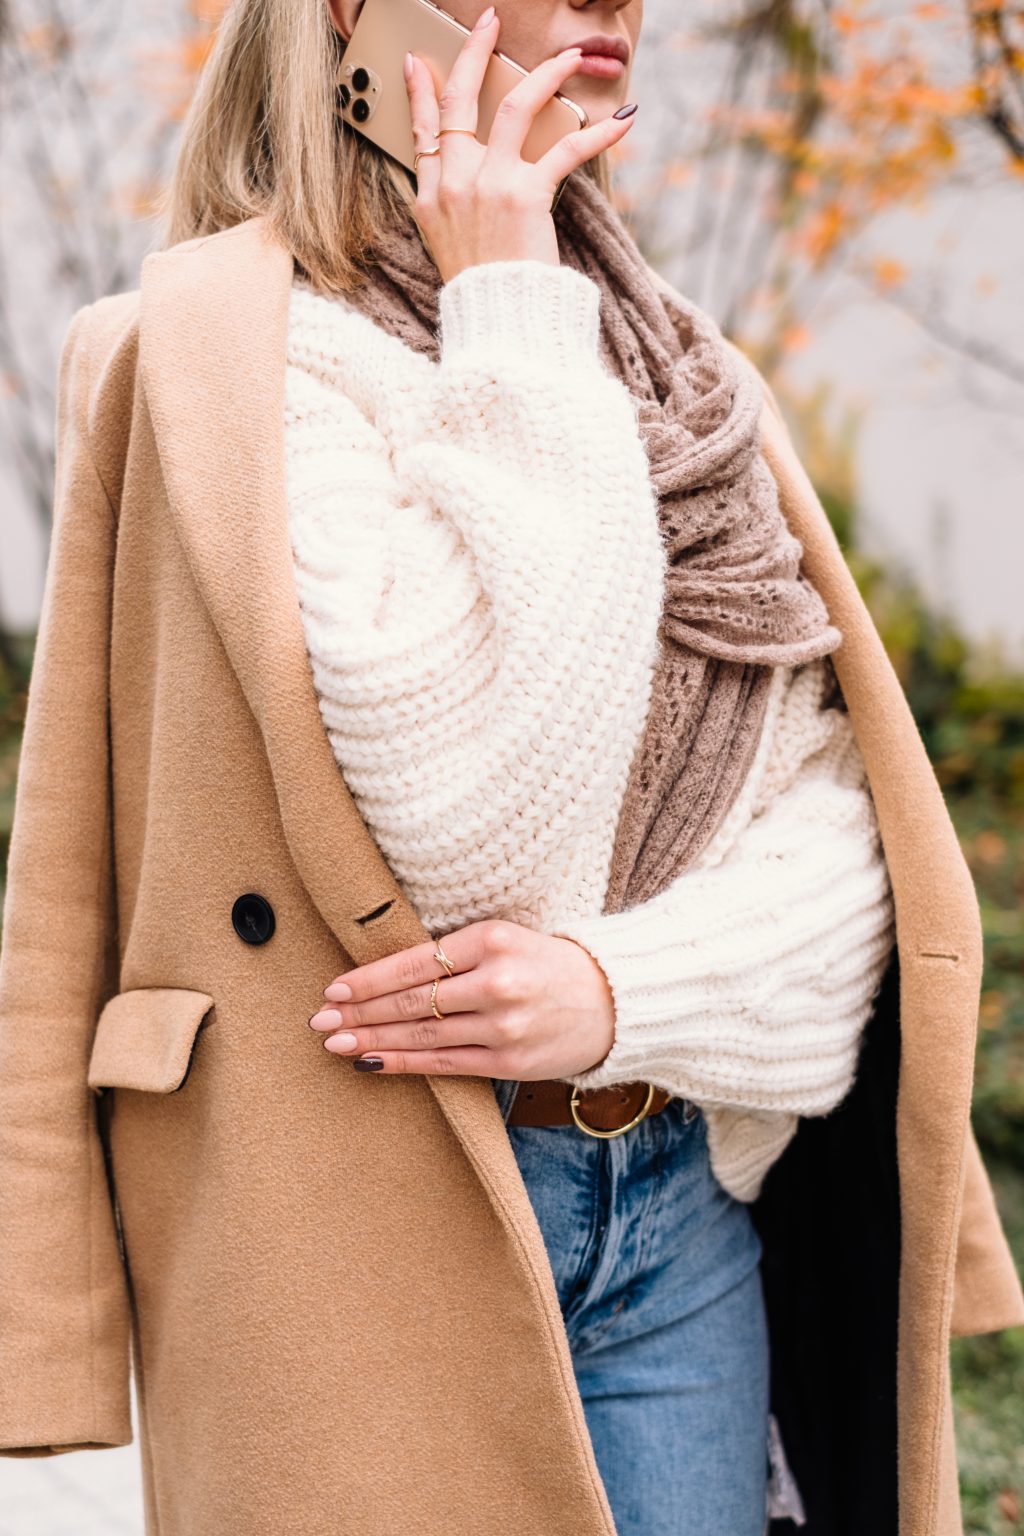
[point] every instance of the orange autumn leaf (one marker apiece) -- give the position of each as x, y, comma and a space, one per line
824, 231
1010, 1505
990, 847
194, 53
795, 337
992, 1010
888, 272
208, 12
36, 39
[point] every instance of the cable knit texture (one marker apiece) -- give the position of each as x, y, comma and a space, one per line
482, 676
479, 570
746, 983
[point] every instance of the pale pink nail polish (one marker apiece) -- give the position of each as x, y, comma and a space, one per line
343, 1042
327, 1018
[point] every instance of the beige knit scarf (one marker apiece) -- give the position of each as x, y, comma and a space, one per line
735, 604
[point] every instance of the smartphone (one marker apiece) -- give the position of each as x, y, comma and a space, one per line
374, 97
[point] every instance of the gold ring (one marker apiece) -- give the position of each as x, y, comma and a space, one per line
433, 997
442, 959
620, 1130
418, 156
471, 131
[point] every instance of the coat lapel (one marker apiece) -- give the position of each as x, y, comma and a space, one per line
213, 335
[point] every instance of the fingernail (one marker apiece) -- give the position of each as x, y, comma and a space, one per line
484, 19
343, 1042
369, 1064
327, 1018
407, 66
338, 992
626, 111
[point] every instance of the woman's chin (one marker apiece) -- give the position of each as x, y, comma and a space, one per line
599, 94
599, 99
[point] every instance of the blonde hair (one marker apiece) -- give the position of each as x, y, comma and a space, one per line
262, 136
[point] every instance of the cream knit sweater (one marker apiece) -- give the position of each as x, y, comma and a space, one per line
479, 568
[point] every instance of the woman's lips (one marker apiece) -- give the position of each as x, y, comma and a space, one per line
601, 65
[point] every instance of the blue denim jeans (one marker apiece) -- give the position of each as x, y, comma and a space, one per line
657, 1272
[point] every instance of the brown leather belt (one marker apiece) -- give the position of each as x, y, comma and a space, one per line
598, 1111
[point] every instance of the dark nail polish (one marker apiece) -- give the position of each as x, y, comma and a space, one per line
626, 111
369, 1064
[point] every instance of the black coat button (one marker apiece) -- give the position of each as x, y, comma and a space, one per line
253, 918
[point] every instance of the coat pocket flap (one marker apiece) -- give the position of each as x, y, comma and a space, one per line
144, 1038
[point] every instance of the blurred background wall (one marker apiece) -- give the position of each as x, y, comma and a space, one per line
842, 186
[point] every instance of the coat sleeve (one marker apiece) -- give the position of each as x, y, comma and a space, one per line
987, 1293
64, 1316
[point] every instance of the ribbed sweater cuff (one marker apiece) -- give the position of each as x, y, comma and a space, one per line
611, 940
551, 314
734, 1032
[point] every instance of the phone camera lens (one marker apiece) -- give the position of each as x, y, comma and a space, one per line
344, 96
361, 109
360, 79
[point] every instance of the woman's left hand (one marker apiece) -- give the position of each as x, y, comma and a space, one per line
521, 1004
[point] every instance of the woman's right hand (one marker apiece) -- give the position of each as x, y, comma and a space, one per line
477, 203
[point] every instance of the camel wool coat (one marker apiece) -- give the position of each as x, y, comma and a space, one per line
332, 1287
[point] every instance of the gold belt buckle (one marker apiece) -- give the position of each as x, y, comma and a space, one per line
622, 1129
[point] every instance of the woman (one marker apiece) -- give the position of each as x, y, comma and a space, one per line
353, 625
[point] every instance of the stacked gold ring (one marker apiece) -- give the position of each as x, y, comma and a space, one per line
436, 149
449, 970
418, 156
442, 959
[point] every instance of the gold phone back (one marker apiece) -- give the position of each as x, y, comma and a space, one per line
383, 32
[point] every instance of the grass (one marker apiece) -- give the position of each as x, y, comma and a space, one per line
988, 1387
